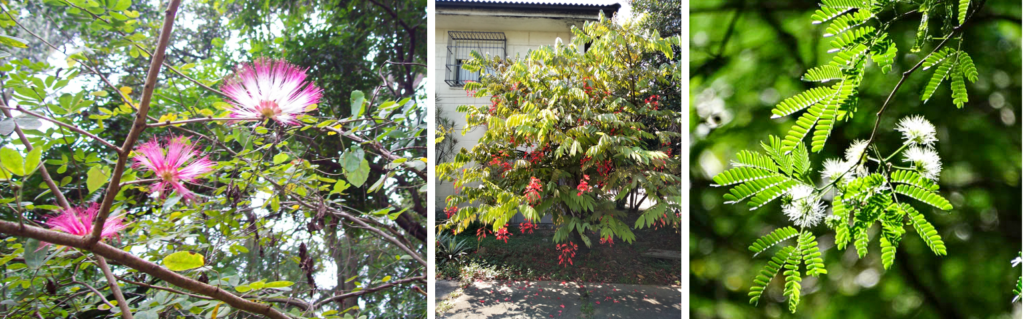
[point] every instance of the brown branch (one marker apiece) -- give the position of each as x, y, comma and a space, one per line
126, 313
129, 260
140, 121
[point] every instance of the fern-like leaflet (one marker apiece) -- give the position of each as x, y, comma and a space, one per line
860, 198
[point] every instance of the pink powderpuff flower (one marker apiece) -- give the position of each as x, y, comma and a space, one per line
173, 168
78, 221
270, 89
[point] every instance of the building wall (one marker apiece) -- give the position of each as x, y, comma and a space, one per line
523, 33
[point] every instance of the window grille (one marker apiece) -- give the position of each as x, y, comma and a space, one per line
460, 44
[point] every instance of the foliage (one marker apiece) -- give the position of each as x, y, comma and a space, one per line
320, 219
567, 133
451, 249
861, 195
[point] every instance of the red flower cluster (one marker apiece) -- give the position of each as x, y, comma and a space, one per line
494, 104
566, 253
537, 155
583, 186
527, 226
448, 212
653, 101
502, 234
481, 234
609, 240
499, 160
605, 167
532, 191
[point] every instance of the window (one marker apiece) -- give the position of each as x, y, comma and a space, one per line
460, 44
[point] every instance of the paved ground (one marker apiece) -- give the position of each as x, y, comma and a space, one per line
548, 299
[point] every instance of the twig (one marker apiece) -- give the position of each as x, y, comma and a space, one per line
164, 289
126, 313
65, 125
366, 291
202, 119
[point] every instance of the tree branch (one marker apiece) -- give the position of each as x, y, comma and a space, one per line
126, 313
140, 121
129, 260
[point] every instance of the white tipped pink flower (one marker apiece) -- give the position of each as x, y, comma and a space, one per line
78, 221
270, 89
173, 168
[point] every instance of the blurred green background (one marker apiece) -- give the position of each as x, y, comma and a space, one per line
746, 56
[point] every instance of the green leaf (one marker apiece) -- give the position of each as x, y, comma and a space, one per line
925, 230
13, 41
883, 53
966, 66
97, 177
184, 260
771, 239
792, 274
888, 252
32, 160
846, 22
34, 257
768, 272
279, 284
811, 255
941, 73
280, 158
913, 178
121, 5
962, 11
357, 103
922, 28
959, 89
823, 74
351, 159
923, 195
11, 161
358, 176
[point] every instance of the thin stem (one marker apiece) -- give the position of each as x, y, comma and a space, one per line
202, 119
126, 313
65, 125
898, 150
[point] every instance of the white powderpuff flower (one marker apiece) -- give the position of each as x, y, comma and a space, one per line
800, 192
917, 130
856, 150
925, 160
805, 213
803, 209
833, 168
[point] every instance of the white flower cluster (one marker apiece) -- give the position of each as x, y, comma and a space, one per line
919, 134
803, 209
834, 168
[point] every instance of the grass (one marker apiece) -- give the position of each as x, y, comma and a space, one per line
533, 257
